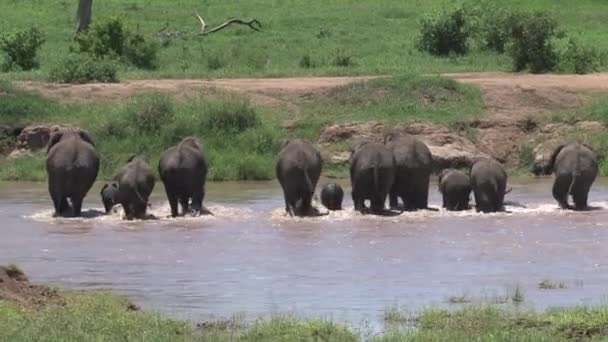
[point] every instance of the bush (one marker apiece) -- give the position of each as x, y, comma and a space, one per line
110, 39
215, 63
230, 115
342, 59
579, 59
307, 62
532, 45
150, 112
445, 33
82, 69
20, 49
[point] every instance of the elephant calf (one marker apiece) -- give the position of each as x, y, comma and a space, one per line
183, 170
332, 196
135, 184
298, 170
575, 167
455, 188
414, 165
372, 173
489, 183
72, 165
109, 194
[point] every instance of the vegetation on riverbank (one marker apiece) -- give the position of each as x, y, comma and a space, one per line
103, 316
308, 38
241, 138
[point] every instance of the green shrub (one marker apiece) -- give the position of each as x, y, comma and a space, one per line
579, 59
77, 68
215, 63
230, 115
150, 112
20, 49
444, 33
342, 59
306, 62
110, 39
496, 29
532, 45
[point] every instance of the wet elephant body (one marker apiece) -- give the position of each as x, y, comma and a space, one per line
455, 188
109, 193
332, 196
135, 184
372, 173
298, 170
183, 170
72, 166
489, 183
414, 165
575, 167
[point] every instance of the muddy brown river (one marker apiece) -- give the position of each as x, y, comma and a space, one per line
250, 259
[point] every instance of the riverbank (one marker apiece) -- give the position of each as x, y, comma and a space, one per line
38, 312
515, 118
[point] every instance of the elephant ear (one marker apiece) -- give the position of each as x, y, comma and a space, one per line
549, 168
86, 136
131, 157
597, 155
55, 138
103, 188
389, 136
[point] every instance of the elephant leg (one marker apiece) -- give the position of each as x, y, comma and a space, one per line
421, 194
76, 206
197, 204
580, 200
184, 203
172, 203
560, 191
393, 200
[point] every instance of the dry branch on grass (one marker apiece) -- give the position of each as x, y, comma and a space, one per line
253, 24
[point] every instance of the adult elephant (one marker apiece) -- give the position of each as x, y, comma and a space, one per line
183, 170
575, 168
372, 173
414, 165
455, 189
135, 184
298, 170
489, 183
72, 165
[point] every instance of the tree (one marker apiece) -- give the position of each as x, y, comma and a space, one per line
83, 15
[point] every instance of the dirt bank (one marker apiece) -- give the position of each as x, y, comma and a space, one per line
15, 287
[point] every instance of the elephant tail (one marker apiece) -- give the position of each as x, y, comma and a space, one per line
311, 188
576, 177
376, 183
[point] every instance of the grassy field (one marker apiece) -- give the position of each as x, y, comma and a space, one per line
105, 317
336, 37
241, 139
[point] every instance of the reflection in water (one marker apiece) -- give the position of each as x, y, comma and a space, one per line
250, 258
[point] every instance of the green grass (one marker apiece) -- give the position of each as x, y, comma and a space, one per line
339, 37
241, 139
103, 316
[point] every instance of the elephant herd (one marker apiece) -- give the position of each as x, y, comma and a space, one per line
399, 168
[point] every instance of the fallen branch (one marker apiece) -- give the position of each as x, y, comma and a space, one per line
253, 24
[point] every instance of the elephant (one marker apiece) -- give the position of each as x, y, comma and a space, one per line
455, 188
372, 173
298, 170
72, 165
109, 194
575, 167
489, 183
332, 196
135, 184
414, 165
183, 171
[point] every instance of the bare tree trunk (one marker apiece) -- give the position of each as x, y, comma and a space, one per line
83, 16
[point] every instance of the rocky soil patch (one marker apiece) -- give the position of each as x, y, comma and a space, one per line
15, 287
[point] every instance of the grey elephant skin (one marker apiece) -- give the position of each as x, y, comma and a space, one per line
72, 165
414, 165
575, 167
183, 171
489, 182
372, 173
135, 184
109, 193
455, 188
332, 196
298, 170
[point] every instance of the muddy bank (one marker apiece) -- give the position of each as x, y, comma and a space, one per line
16, 287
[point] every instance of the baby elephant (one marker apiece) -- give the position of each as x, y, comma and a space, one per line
575, 168
332, 196
135, 184
489, 183
108, 195
455, 188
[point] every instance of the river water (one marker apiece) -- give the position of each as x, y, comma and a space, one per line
249, 259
